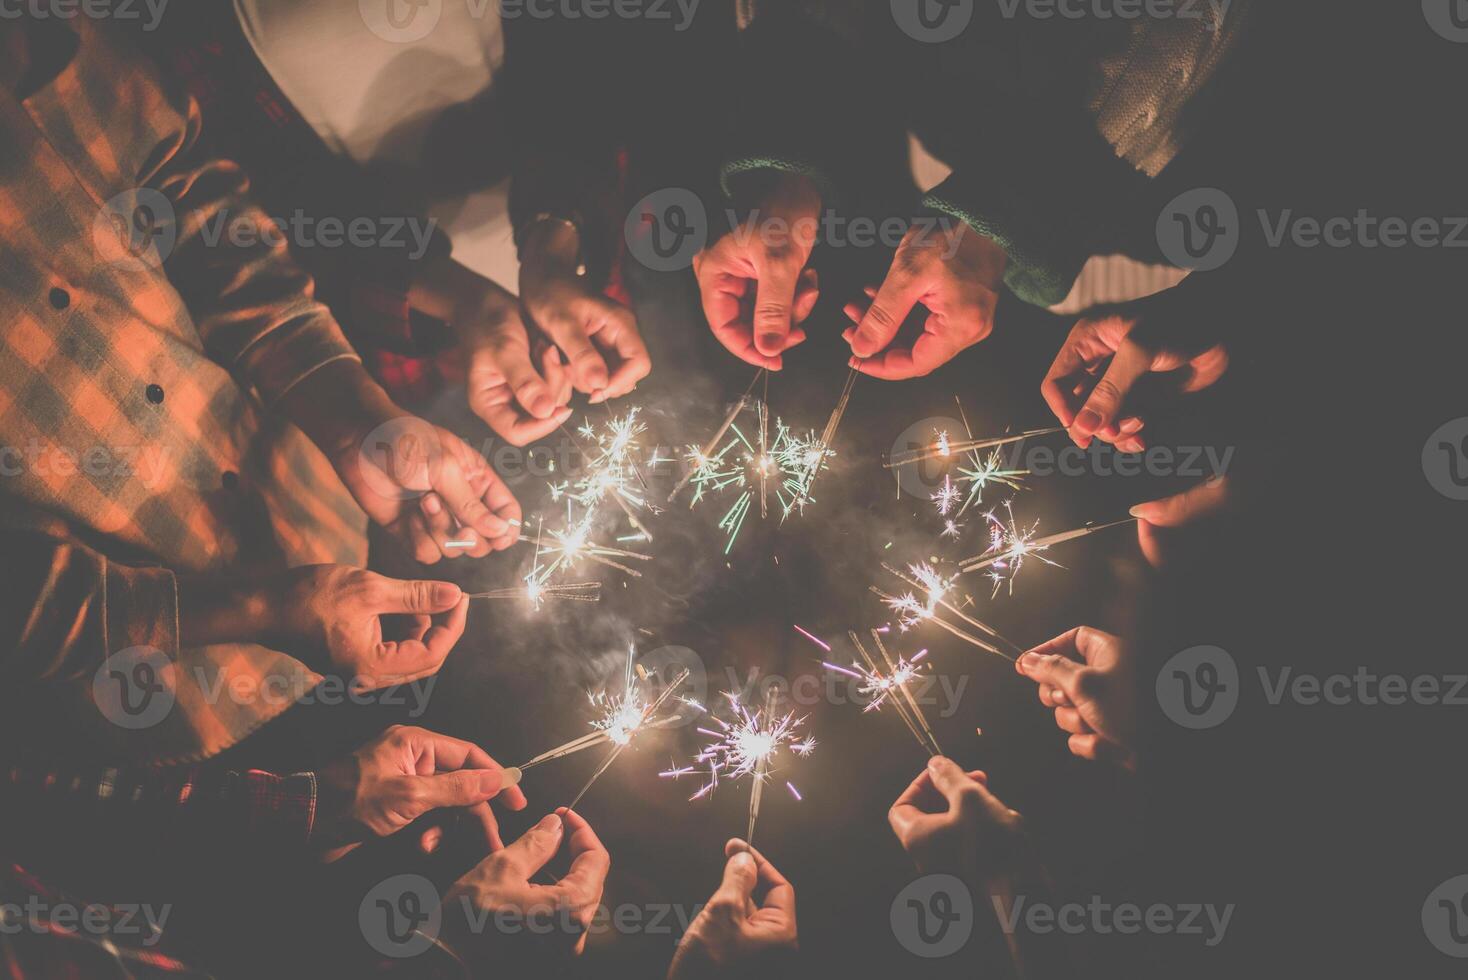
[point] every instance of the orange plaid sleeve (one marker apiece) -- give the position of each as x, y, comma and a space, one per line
69, 606
253, 305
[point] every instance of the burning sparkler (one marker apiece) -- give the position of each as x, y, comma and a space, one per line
933, 588
748, 746
888, 681
943, 447
820, 449
612, 468
537, 593
1010, 544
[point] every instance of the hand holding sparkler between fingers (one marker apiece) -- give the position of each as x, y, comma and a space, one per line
495, 916
1086, 676
401, 776
949, 822
747, 925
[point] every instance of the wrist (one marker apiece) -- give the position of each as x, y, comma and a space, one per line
337, 406
550, 248
213, 611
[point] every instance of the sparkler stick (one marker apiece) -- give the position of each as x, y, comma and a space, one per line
823, 447
943, 447
621, 727
534, 593
1010, 545
936, 588
912, 702
961, 634
764, 447
895, 679
761, 772
720, 433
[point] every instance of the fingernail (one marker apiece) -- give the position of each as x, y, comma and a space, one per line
742, 859
1088, 421
432, 504
1136, 510
1131, 426
769, 342
935, 763
550, 823
563, 414
598, 396
542, 406
446, 594
1029, 661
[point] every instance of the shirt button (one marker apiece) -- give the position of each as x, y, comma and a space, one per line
155, 394
230, 479
60, 298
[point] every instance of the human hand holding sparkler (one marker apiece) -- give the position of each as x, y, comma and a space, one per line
372, 629
954, 273
748, 922
755, 286
1089, 386
1085, 674
1158, 521
949, 821
400, 776
497, 916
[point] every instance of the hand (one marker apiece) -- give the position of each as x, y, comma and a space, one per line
605, 353
1145, 338
755, 286
375, 630
428, 487
508, 918
408, 475
948, 821
1086, 676
953, 272
1158, 521
737, 934
398, 777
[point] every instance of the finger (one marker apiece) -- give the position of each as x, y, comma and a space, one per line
1104, 403
448, 537
495, 494
415, 596
556, 373
1069, 720
461, 787
723, 299
741, 874
430, 839
502, 413
1205, 499
455, 483
446, 630
1058, 387
567, 327
484, 816
807, 293
774, 307
590, 861
1205, 369
454, 753
899, 293
950, 779
536, 846
778, 892
1046, 695
413, 528
931, 351
1084, 745
620, 337
1056, 670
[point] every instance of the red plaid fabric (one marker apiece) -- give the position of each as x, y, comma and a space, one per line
138, 362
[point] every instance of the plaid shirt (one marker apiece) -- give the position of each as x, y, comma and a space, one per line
138, 361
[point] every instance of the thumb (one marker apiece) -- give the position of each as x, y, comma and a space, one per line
774, 308
1180, 509
1052, 669
899, 293
1104, 403
536, 846
741, 873
418, 596
462, 787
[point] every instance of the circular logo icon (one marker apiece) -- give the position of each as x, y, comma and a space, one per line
401, 917
666, 229
1449, 18
663, 666
1445, 459
1445, 917
932, 21
921, 457
1199, 688
400, 459
1199, 229
134, 688
400, 21
136, 230
934, 916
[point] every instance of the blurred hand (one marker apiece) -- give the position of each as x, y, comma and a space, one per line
755, 286
1086, 675
372, 629
1090, 384
510, 921
1161, 521
604, 353
955, 274
522, 395
949, 822
747, 922
400, 776
428, 487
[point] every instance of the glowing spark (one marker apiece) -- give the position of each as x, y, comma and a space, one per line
933, 588
946, 496
888, 681
952, 529
983, 472
943, 447
1010, 544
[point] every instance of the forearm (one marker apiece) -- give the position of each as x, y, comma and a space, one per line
337, 406
1034, 955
